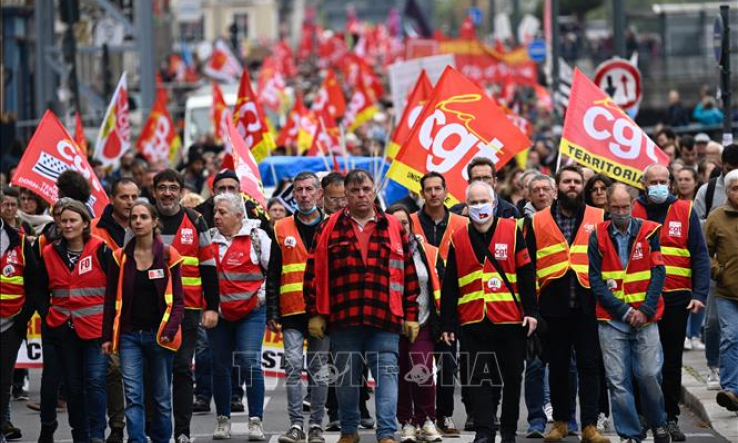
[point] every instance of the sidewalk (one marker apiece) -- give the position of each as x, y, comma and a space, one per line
701, 401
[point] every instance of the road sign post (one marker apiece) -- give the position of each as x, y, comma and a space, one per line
621, 80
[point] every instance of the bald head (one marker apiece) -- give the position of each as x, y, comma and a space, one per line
656, 175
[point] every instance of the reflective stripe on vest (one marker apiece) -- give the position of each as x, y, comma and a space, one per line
554, 256
674, 238
294, 260
431, 256
187, 242
79, 294
173, 345
628, 285
454, 223
12, 284
482, 291
240, 279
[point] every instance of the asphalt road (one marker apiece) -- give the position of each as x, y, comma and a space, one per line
276, 421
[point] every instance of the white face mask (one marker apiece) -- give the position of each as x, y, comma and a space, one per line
481, 213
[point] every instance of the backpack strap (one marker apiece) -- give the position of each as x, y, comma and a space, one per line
710, 195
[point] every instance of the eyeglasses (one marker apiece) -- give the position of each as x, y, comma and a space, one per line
164, 188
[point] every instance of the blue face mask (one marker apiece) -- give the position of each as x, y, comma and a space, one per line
308, 212
658, 193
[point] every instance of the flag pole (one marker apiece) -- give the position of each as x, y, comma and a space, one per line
387, 140
344, 149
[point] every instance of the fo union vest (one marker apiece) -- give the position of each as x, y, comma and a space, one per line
12, 288
482, 291
674, 238
78, 294
294, 259
628, 285
554, 257
240, 279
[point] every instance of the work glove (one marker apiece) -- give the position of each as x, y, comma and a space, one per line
316, 327
411, 329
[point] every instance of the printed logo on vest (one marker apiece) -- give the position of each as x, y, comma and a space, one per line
290, 242
12, 257
675, 229
611, 284
588, 228
188, 236
638, 251
235, 259
494, 283
85, 265
8, 270
501, 251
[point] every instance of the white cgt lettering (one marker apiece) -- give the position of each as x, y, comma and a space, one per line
626, 139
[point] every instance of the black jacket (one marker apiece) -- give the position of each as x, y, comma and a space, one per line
107, 222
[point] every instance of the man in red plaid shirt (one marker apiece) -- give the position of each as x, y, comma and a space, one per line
360, 281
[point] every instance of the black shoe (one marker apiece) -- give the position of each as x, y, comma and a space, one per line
676, 434
116, 436
661, 434
10, 432
508, 437
237, 406
644, 427
481, 438
200, 406
469, 424
47, 432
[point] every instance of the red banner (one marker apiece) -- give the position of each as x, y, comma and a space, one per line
50, 152
219, 111
360, 109
250, 120
330, 97
600, 135
288, 136
415, 101
159, 140
458, 123
243, 163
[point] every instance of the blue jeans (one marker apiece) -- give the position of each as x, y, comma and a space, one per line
203, 367
85, 370
317, 362
136, 350
381, 350
694, 324
636, 353
728, 316
712, 329
239, 343
535, 375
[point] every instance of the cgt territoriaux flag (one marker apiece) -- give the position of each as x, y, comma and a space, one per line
459, 122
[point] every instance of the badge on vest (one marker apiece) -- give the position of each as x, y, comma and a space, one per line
638, 251
8, 270
235, 259
501, 251
675, 229
85, 265
494, 283
12, 257
155, 274
188, 236
290, 242
588, 228
611, 284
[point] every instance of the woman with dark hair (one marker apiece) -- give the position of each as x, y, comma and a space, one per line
686, 183
595, 190
74, 271
416, 397
34, 211
145, 275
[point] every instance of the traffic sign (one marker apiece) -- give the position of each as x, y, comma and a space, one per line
717, 39
621, 80
476, 15
537, 50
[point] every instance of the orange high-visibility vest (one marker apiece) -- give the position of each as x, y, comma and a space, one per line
294, 260
482, 291
12, 285
187, 242
174, 259
78, 294
630, 284
674, 244
240, 279
455, 222
431, 256
103, 234
554, 257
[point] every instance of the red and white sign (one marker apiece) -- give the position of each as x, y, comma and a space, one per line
50, 152
114, 138
621, 80
243, 162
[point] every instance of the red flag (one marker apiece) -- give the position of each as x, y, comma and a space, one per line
244, 163
271, 85
357, 70
600, 135
459, 122
467, 29
288, 136
360, 109
114, 138
79, 134
219, 111
223, 65
330, 97
50, 152
159, 140
415, 101
250, 121
326, 138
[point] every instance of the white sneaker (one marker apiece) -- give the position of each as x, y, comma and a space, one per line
687, 344
602, 422
697, 344
222, 428
408, 433
713, 379
256, 430
429, 433
549, 411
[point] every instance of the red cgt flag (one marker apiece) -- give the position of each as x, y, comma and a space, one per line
600, 135
330, 97
415, 101
79, 134
459, 122
360, 109
290, 132
50, 152
251, 122
159, 140
244, 163
219, 111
